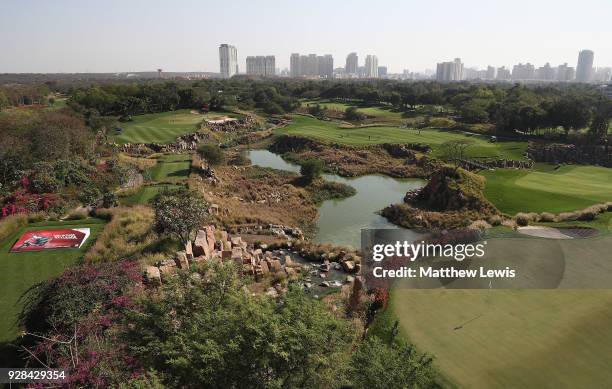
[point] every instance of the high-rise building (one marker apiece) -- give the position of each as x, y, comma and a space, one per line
503, 74
261, 65
352, 64
546, 72
602, 75
371, 66
325, 65
450, 71
228, 60
382, 71
523, 72
295, 69
311, 65
565, 73
491, 73
584, 70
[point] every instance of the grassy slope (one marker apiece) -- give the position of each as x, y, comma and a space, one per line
331, 132
544, 189
19, 271
162, 127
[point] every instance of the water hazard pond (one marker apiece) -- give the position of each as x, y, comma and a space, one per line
340, 221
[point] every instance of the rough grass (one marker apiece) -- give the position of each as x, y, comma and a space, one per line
547, 190
329, 131
127, 234
146, 193
19, 271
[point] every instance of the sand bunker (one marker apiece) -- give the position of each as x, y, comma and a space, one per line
221, 120
557, 233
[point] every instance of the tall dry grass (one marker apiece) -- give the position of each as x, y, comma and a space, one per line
11, 224
129, 231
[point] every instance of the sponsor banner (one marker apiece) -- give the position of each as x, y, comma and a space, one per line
51, 239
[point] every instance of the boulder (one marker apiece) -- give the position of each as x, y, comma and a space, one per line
166, 271
264, 267
237, 255
200, 245
274, 265
181, 260
189, 250
325, 284
236, 241
289, 262
348, 266
210, 237
152, 275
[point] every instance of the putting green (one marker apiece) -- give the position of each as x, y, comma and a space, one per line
330, 131
162, 127
545, 189
19, 271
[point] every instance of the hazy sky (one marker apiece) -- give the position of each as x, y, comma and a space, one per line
139, 35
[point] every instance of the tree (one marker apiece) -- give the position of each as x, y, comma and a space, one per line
398, 365
455, 150
211, 153
601, 119
179, 213
571, 113
311, 169
351, 113
262, 343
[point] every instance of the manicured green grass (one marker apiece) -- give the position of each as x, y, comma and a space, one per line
517, 339
547, 190
171, 166
380, 113
146, 194
19, 271
331, 132
162, 127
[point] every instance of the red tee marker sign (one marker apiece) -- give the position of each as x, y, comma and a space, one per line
51, 239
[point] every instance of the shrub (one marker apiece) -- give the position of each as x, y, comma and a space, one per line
36, 217
311, 169
495, 220
480, 225
522, 219
547, 217
11, 224
212, 154
78, 214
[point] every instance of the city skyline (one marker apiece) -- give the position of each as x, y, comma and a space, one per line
141, 36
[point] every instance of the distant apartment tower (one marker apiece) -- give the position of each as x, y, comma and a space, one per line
325, 65
546, 73
565, 73
491, 73
450, 71
228, 60
311, 65
260, 65
584, 70
523, 72
503, 74
352, 64
371, 66
382, 71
